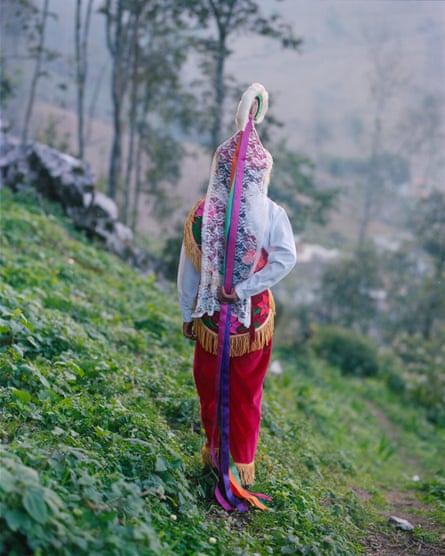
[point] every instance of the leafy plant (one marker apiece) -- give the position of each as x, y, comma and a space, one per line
353, 353
419, 372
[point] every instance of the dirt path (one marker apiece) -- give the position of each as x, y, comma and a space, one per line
385, 540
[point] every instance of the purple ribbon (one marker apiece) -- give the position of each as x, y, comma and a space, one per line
223, 491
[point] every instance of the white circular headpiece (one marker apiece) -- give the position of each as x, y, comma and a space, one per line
257, 92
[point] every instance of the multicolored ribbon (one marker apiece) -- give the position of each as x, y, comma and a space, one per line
229, 492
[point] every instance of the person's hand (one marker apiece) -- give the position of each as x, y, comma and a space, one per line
224, 297
187, 330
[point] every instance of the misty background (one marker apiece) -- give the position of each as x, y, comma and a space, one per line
322, 94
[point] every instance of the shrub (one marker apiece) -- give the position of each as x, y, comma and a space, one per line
354, 353
420, 370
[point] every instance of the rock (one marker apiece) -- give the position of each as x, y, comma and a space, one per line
68, 180
15, 170
55, 175
400, 523
120, 241
65, 178
276, 368
97, 214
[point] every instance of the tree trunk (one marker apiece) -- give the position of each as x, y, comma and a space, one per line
94, 97
144, 109
133, 113
79, 80
115, 47
115, 158
219, 94
36, 75
120, 48
138, 184
371, 179
223, 21
81, 41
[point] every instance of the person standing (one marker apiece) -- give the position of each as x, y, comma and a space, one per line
237, 244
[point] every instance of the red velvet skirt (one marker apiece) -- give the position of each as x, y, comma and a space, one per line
247, 373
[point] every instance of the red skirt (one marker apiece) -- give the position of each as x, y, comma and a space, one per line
247, 373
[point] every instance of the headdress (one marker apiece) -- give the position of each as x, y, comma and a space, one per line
256, 92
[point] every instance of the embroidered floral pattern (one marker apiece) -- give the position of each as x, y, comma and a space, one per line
260, 312
262, 307
260, 302
197, 223
249, 257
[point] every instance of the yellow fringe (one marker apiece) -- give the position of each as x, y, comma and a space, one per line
206, 456
192, 250
246, 472
240, 344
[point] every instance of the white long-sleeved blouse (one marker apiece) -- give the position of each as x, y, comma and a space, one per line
279, 243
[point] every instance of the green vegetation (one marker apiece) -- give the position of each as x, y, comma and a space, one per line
100, 431
351, 352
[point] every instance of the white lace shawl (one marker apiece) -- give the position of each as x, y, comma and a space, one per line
251, 227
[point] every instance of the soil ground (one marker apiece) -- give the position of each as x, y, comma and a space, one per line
385, 540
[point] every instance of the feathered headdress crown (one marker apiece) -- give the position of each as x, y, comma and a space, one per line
257, 92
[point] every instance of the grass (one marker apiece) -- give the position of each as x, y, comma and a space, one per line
100, 430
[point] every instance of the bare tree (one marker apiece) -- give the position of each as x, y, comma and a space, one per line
39, 57
386, 78
93, 102
132, 115
159, 109
231, 17
421, 134
138, 183
157, 105
120, 35
81, 47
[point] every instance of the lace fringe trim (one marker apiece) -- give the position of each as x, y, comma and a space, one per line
240, 344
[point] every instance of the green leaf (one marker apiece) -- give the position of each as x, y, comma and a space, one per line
4, 311
4, 326
16, 520
160, 465
21, 395
18, 350
53, 500
7, 481
43, 380
32, 341
27, 475
34, 503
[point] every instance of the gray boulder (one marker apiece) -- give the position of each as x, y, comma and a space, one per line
68, 180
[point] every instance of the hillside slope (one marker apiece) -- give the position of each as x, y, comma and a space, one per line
100, 431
